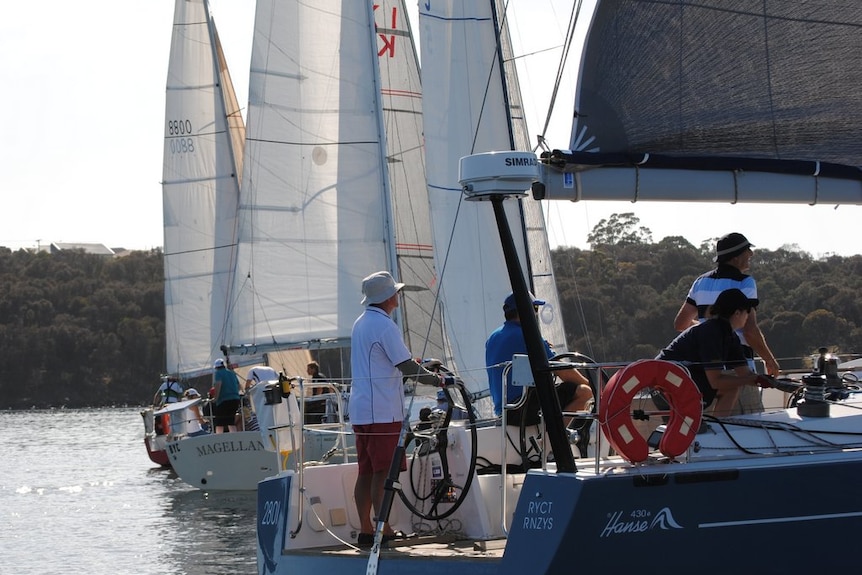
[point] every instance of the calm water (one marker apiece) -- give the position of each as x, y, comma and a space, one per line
78, 494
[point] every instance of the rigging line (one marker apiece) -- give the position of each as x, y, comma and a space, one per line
811, 438
567, 46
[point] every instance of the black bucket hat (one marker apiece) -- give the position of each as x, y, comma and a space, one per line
730, 246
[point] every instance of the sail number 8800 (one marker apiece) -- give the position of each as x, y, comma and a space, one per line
179, 127
180, 132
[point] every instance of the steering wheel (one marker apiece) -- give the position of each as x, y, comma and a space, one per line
441, 496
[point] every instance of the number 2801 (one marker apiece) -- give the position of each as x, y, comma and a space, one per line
270, 513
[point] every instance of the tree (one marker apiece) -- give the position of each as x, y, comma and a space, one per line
619, 229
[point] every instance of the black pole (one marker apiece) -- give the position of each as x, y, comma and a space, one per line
548, 400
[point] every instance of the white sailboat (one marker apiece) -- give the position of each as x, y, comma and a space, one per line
333, 189
204, 134
468, 101
743, 478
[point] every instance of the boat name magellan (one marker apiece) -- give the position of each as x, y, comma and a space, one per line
521, 161
638, 521
228, 446
538, 516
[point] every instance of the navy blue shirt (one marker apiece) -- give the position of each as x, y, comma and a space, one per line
711, 344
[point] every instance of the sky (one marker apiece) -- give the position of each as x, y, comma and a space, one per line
83, 113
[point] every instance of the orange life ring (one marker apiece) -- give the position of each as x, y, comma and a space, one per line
681, 393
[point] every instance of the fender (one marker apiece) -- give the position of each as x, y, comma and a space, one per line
681, 393
166, 423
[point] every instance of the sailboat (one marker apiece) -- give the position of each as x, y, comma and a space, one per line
470, 104
204, 134
333, 189
656, 120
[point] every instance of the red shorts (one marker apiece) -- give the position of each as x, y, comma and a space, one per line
375, 446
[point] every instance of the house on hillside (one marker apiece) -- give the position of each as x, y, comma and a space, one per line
96, 249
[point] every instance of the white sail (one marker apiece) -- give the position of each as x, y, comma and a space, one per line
203, 135
467, 111
539, 266
402, 115
333, 151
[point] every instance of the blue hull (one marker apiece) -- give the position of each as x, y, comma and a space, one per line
778, 518
767, 520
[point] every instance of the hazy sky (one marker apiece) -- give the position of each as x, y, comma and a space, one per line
83, 113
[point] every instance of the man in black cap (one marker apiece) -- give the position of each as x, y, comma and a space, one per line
733, 255
714, 356
574, 393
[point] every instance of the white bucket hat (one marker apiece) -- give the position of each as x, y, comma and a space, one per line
379, 287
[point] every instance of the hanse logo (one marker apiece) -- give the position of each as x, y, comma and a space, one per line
521, 162
639, 523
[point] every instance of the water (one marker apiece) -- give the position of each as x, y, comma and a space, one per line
78, 494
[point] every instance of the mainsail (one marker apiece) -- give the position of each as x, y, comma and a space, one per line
202, 162
468, 108
754, 102
333, 170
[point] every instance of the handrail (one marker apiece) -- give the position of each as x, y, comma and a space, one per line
505, 440
335, 389
299, 466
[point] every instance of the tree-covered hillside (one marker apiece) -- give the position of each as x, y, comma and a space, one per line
619, 299
84, 330
80, 330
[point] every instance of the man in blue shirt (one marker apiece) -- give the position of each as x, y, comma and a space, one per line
507, 340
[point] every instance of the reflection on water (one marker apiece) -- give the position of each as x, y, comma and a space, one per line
219, 527
78, 494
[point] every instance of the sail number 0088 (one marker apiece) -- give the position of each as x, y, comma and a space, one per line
270, 513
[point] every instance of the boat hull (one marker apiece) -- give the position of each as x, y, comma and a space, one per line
239, 460
229, 461
153, 441
157, 452
708, 515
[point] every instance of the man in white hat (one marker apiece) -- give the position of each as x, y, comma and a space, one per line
379, 360
733, 255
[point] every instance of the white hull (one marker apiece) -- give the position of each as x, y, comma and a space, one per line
231, 461
238, 461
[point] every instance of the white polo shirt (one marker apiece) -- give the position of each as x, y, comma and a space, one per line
262, 373
376, 347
